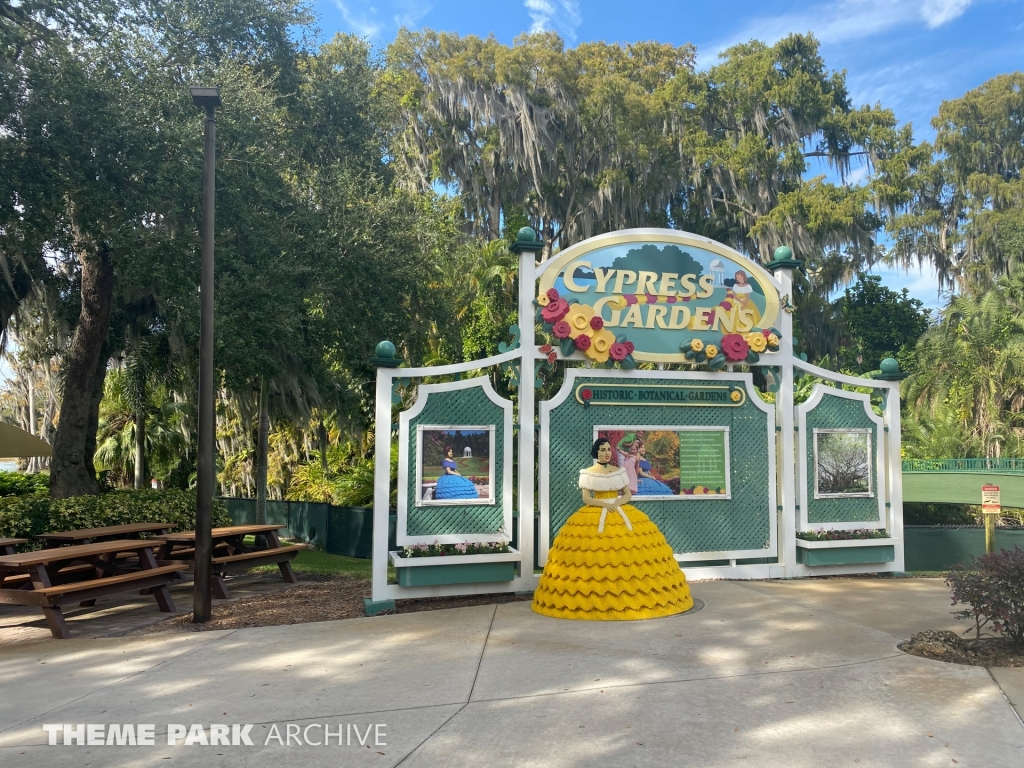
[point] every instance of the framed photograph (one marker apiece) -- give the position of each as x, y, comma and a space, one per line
671, 462
454, 465
842, 463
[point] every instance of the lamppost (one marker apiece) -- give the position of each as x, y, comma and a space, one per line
208, 99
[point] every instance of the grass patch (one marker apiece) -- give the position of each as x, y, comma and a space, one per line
929, 574
324, 564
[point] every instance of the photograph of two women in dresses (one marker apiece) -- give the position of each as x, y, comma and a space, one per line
661, 464
456, 465
651, 460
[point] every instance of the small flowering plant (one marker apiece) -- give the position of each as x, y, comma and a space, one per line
444, 550
576, 327
857, 533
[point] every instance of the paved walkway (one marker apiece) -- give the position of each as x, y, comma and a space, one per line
787, 674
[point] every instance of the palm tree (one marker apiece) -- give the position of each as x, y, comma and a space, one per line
164, 440
971, 369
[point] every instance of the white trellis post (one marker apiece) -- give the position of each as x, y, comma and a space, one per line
526, 246
782, 267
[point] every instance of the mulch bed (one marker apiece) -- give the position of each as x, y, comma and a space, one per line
315, 598
949, 646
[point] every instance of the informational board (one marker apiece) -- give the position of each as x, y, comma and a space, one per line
704, 459
990, 499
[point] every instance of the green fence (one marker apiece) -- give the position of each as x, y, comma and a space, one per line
338, 530
936, 547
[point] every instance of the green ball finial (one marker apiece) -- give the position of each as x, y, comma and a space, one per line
889, 365
783, 253
527, 235
385, 350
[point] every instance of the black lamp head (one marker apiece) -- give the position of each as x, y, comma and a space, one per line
207, 98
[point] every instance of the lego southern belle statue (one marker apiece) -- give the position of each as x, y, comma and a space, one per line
609, 562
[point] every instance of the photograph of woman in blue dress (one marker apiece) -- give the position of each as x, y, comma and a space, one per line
647, 483
452, 485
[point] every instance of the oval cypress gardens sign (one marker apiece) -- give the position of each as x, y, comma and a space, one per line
660, 294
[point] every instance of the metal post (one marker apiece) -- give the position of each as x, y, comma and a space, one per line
208, 98
990, 533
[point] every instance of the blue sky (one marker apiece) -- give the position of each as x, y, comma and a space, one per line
908, 55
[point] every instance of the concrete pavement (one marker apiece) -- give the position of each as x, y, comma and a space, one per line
794, 674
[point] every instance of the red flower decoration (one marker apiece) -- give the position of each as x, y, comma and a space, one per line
652, 299
553, 294
586, 394
726, 304
687, 298
596, 323
630, 298
562, 329
545, 348
766, 333
618, 352
552, 356
555, 311
670, 299
734, 347
582, 343
629, 347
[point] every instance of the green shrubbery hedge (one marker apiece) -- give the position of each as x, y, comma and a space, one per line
19, 484
28, 515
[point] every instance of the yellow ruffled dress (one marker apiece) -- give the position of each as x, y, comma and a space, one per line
603, 568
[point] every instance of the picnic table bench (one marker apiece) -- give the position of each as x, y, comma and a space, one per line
107, 532
231, 554
51, 581
7, 545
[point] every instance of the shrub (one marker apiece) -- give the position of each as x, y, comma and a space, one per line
29, 515
19, 484
993, 589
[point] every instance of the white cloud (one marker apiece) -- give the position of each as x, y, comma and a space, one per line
362, 25
562, 16
844, 20
410, 12
938, 12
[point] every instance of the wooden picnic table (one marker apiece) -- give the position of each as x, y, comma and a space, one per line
7, 545
231, 554
52, 577
105, 533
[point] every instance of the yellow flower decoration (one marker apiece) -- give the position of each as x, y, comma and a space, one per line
757, 341
579, 320
710, 350
618, 303
735, 396
543, 300
773, 340
600, 345
696, 345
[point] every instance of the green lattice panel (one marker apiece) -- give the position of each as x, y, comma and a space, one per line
835, 412
691, 525
469, 407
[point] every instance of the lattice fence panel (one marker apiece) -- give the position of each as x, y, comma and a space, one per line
690, 525
835, 412
470, 407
